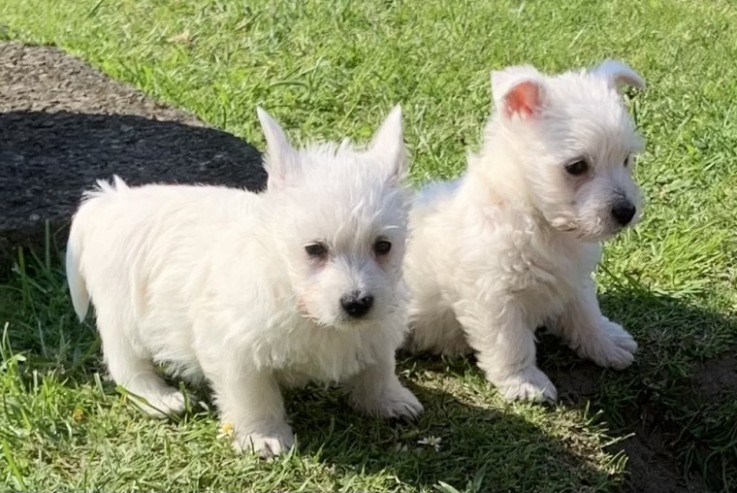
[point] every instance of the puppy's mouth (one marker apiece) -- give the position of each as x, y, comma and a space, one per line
341, 322
594, 238
564, 224
347, 323
601, 231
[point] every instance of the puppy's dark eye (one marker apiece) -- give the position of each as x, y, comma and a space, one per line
317, 251
577, 168
382, 247
626, 161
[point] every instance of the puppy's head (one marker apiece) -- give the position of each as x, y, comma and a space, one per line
575, 143
340, 223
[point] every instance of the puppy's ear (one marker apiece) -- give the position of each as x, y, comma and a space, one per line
518, 91
279, 156
618, 74
387, 146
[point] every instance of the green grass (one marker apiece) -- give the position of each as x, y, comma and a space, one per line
331, 69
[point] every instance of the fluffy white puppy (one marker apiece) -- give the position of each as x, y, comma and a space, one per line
300, 283
512, 244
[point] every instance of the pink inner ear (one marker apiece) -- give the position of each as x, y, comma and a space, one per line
523, 99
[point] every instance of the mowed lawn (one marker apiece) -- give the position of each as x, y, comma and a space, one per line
329, 69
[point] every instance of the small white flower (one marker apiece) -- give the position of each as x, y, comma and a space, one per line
431, 441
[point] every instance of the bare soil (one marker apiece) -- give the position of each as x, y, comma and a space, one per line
652, 459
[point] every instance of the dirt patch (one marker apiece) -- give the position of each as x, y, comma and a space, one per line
717, 377
652, 467
653, 461
576, 383
64, 125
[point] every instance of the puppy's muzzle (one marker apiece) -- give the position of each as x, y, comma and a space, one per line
623, 211
356, 305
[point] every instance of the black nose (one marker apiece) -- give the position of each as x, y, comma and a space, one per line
623, 212
356, 305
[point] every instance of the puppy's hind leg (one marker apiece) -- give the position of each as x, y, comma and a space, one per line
131, 367
434, 329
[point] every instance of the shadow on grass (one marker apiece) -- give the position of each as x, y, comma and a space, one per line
479, 449
677, 400
49, 159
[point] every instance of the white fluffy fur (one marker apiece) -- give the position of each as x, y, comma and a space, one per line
216, 282
512, 244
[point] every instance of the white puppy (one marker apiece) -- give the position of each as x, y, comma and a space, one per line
512, 244
300, 283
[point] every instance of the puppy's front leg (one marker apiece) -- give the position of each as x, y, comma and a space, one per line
505, 346
252, 403
377, 390
591, 334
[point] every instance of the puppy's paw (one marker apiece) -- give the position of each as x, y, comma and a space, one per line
528, 385
160, 405
265, 444
614, 348
395, 401
620, 336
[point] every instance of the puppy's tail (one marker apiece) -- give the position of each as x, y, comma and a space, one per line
106, 188
77, 286
75, 277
